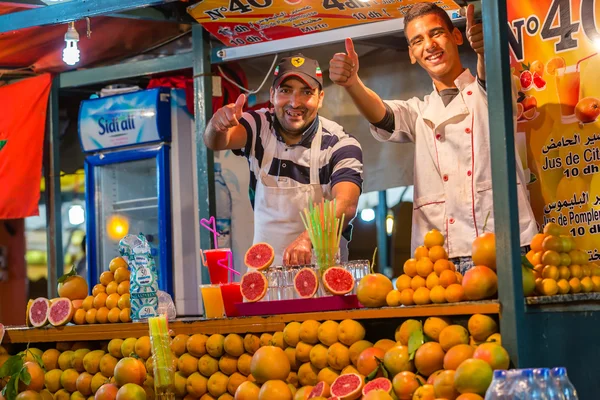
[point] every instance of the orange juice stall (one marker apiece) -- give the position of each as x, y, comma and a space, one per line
227, 322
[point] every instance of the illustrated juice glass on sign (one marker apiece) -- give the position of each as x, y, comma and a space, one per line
567, 85
143, 280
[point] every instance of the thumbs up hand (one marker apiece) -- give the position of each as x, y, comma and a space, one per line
228, 116
343, 67
474, 31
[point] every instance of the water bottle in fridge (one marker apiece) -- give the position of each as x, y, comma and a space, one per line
498, 389
223, 202
542, 376
563, 384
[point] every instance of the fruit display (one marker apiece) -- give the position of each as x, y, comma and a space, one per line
558, 266
429, 358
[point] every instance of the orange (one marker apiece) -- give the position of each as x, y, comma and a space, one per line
368, 360
551, 67
444, 385
493, 354
121, 275
457, 354
79, 316
424, 267
438, 294
274, 389
473, 376
130, 370
112, 300
484, 250
596, 283
406, 297
586, 270
587, 285
196, 345
576, 271
480, 283
99, 288
114, 315
459, 277
550, 271
397, 359
116, 263
434, 325
124, 301
112, 287
447, 278
269, 362
429, 358
88, 303
432, 281
482, 326
437, 253
551, 257
433, 238
553, 228
454, 293
549, 287
530, 258
123, 288
90, 316
565, 259
131, 391
403, 282
441, 265
100, 300
453, 335
410, 267
564, 272
405, 330
420, 252
405, 384
383, 344
248, 391
563, 286
537, 258
143, 348
421, 296
124, 315
553, 243
373, 289
578, 257
469, 396
102, 315
106, 277
417, 282
37, 377
73, 288
393, 298
425, 392
536, 242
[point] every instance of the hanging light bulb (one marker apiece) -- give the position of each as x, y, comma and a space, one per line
71, 52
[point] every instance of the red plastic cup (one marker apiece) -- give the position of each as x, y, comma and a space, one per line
232, 294
211, 259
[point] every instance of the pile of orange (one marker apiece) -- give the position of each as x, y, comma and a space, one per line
559, 267
110, 299
428, 277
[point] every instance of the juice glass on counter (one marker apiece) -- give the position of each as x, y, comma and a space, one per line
211, 260
567, 85
231, 294
212, 299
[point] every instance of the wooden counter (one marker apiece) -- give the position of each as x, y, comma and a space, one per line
270, 323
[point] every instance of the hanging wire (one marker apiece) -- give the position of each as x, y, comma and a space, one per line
243, 88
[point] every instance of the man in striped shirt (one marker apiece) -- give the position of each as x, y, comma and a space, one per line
295, 157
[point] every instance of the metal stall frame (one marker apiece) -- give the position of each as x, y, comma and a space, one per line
530, 334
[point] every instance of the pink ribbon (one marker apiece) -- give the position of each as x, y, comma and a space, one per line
211, 225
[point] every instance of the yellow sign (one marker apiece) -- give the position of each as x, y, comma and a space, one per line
297, 61
554, 45
241, 22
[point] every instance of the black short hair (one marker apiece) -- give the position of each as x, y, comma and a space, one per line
421, 9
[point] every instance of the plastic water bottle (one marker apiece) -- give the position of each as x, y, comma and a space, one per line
527, 388
498, 389
542, 376
223, 201
563, 385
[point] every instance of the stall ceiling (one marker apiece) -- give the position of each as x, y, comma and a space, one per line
39, 49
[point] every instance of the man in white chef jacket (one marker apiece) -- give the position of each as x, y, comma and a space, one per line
295, 156
450, 129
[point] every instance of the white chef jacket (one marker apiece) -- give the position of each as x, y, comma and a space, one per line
452, 170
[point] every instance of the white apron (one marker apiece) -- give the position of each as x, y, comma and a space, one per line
277, 210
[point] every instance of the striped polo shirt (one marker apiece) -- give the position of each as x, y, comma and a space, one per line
340, 159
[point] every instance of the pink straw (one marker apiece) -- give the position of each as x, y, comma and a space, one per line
211, 225
232, 271
583, 59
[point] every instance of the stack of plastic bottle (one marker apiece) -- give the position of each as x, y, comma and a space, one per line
531, 384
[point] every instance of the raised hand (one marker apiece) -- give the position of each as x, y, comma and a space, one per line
343, 67
228, 116
474, 31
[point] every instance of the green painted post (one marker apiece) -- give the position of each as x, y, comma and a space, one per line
499, 85
53, 193
203, 112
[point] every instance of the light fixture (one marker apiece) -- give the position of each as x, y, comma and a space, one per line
367, 215
117, 226
389, 225
71, 52
76, 215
